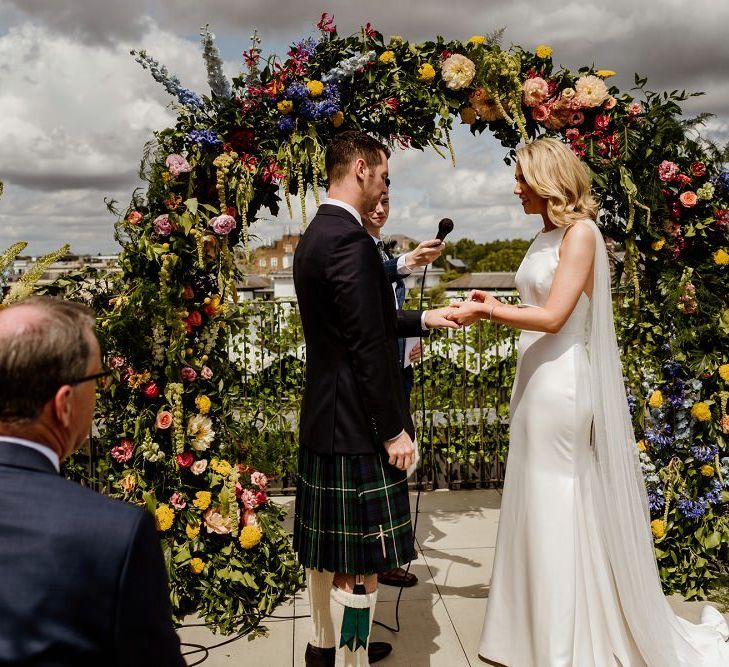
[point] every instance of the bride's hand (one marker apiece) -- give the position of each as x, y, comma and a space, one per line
477, 295
466, 312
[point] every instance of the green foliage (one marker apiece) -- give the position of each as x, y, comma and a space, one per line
490, 256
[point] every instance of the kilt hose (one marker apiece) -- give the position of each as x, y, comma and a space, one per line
352, 513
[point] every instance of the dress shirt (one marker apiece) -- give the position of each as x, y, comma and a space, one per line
347, 207
46, 451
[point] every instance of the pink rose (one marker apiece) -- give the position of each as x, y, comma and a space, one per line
206, 373
177, 501
223, 224
602, 121
261, 498
259, 479
536, 90
188, 374
248, 499
573, 134
123, 451
698, 169
609, 103
667, 171
177, 164
164, 419
540, 113
198, 468
134, 218
162, 225
634, 108
185, 459
117, 362
249, 518
688, 199
577, 118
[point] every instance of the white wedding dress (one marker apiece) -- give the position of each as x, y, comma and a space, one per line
574, 582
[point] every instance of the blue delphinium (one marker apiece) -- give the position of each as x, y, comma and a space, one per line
170, 82
671, 368
326, 109
656, 500
692, 509
704, 453
308, 110
632, 403
347, 68
296, 91
219, 84
713, 495
304, 49
285, 124
204, 138
722, 180
659, 437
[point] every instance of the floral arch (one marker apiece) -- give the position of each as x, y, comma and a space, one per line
168, 426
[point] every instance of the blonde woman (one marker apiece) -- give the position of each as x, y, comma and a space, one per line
575, 582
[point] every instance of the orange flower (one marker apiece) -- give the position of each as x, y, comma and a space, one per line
688, 199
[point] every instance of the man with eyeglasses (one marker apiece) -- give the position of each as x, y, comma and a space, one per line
82, 580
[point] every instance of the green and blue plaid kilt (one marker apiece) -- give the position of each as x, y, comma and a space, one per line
352, 513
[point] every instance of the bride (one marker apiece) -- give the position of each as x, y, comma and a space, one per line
575, 582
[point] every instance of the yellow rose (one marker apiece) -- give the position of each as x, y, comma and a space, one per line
203, 404
724, 372
657, 245
641, 445
477, 39
202, 499
192, 531
221, 467
163, 517
707, 470
605, 73
701, 412
468, 115
337, 118
285, 106
250, 536
656, 399
316, 88
721, 257
658, 526
197, 565
426, 73
543, 51
386, 57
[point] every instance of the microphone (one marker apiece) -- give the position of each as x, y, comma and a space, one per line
445, 227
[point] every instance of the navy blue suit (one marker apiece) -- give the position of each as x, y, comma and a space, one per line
395, 278
82, 578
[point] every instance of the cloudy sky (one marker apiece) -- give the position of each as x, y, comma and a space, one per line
75, 109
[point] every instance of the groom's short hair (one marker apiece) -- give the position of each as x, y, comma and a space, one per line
346, 147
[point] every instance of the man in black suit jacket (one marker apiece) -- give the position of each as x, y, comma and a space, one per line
82, 579
356, 434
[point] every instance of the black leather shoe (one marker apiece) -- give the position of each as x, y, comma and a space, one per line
319, 657
377, 651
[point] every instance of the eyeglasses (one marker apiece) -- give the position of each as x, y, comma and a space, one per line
387, 182
102, 379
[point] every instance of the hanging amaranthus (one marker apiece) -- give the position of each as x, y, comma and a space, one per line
223, 164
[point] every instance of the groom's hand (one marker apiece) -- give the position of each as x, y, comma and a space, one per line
440, 319
466, 313
401, 451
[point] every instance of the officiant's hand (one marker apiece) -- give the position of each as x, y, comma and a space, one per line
401, 451
439, 319
426, 253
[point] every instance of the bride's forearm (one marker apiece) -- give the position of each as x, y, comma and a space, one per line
531, 318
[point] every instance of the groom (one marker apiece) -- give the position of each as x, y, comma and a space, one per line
352, 515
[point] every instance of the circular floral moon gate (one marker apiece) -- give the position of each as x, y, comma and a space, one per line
169, 423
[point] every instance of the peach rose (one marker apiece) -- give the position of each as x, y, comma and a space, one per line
688, 199
540, 113
164, 419
536, 90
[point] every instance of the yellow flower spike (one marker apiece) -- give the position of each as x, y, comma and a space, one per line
707, 470
315, 88
658, 527
605, 73
543, 51
701, 412
656, 399
250, 536
196, 565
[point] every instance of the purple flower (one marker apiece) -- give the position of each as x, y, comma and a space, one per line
223, 224
296, 91
704, 453
286, 124
722, 180
204, 138
162, 225
656, 501
188, 374
326, 109
632, 403
671, 368
177, 164
308, 110
713, 495
692, 509
660, 437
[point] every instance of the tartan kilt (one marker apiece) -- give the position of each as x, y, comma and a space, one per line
352, 513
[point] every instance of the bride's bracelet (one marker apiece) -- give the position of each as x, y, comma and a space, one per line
491, 312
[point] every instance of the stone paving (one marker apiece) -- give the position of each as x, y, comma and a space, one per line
440, 618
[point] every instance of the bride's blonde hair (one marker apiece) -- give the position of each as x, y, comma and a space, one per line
556, 174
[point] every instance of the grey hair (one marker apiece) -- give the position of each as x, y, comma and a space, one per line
39, 358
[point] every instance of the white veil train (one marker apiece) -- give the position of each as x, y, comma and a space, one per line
621, 505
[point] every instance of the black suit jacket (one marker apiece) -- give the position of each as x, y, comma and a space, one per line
353, 396
82, 579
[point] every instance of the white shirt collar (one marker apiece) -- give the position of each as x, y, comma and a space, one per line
46, 451
347, 207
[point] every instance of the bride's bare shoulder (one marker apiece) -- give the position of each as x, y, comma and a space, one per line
579, 237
